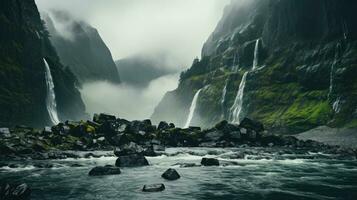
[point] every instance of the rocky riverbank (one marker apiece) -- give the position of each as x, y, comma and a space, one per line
105, 132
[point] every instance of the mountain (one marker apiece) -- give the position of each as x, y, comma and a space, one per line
291, 64
81, 48
25, 48
139, 70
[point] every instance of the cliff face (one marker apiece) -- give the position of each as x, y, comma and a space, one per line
304, 72
81, 48
24, 44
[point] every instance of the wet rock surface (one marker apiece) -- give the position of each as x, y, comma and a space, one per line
154, 188
105, 170
171, 174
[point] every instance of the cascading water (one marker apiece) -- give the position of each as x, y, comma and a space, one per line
51, 97
223, 99
192, 109
337, 102
236, 109
256, 54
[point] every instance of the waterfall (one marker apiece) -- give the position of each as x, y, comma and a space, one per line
256, 54
332, 70
192, 109
51, 97
223, 99
236, 109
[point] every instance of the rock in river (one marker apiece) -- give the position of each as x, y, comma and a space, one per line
106, 170
171, 174
133, 160
154, 188
209, 162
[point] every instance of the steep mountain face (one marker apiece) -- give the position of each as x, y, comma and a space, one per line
23, 91
291, 64
139, 70
81, 48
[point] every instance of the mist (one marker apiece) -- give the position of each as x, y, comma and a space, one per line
166, 34
177, 27
127, 101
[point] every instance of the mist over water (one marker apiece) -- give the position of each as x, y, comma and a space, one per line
127, 101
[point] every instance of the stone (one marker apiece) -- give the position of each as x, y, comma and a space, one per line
106, 170
128, 149
163, 126
171, 174
209, 162
154, 188
133, 160
251, 124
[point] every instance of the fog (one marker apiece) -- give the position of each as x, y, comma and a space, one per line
172, 31
178, 27
126, 101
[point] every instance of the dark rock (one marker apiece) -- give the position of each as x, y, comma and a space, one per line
128, 149
106, 170
154, 188
251, 124
213, 135
171, 174
133, 160
101, 118
149, 151
209, 162
171, 125
163, 126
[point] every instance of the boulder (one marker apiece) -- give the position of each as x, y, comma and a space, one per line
163, 126
133, 160
251, 124
149, 151
101, 118
106, 170
213, 135
209, 162
128, 149
154, 188
171, 125
171, 174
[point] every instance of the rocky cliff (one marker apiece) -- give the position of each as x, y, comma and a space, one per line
24, 46
291, 64
81, 48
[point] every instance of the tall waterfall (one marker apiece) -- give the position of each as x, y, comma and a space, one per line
256, 54
236, 109
192, 109
51, 97
223, 99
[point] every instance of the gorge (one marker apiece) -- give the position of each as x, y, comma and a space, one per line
92, 105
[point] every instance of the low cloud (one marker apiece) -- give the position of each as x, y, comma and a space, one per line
126, 101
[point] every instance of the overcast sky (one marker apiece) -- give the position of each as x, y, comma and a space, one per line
179, 27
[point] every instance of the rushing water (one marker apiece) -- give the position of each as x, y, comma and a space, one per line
261, 174
223, 98
237, 107
256, 54
51, 96
192, 108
